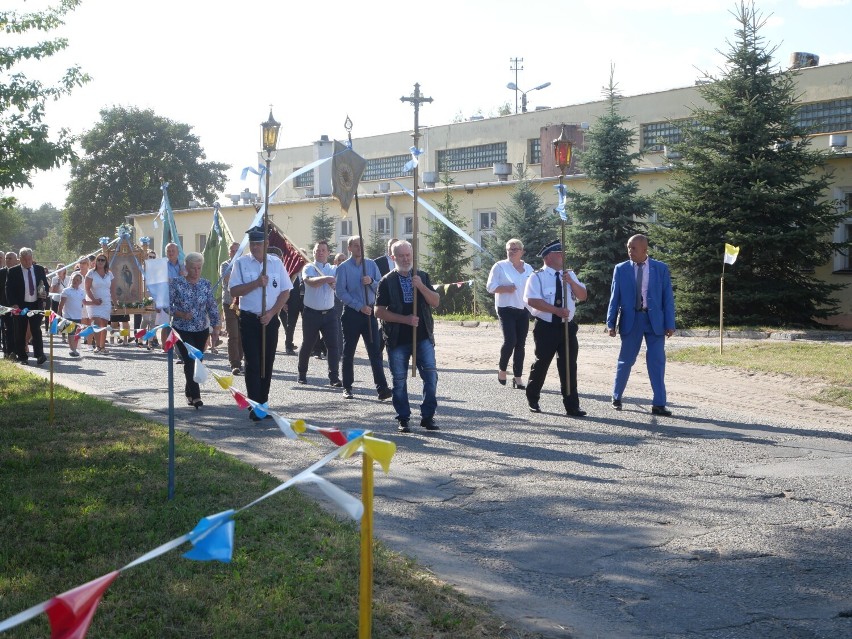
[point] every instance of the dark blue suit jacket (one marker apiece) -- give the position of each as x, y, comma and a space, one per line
661, 311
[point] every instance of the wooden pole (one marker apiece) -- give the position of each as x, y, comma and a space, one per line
50, 419
565, 305
365, 594
348, 126
721, 306
263, 270
416, 99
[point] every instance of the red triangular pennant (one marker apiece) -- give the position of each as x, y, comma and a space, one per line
71, 613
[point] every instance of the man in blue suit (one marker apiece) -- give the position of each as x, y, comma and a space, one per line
642, 295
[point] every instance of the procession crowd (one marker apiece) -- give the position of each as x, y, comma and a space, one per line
384, 303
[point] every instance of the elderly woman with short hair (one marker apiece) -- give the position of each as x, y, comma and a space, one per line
194, 315
506, 283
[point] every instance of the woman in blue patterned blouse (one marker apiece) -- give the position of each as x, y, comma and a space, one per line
194, 315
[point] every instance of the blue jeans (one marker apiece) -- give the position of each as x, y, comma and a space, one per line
398, 358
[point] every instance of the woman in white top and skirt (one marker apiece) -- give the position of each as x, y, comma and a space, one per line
506, 282
100, 290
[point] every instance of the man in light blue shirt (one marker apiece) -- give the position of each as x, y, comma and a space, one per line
319, 316
357, 282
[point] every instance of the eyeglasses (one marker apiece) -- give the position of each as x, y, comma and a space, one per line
514, 249
101, 259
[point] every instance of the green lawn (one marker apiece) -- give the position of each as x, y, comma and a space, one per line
829, 363
87, 495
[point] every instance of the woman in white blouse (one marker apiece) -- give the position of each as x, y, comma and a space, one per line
506, 282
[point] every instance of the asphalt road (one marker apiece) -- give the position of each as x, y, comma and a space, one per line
730, 519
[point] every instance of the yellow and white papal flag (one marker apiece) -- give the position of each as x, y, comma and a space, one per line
731, 253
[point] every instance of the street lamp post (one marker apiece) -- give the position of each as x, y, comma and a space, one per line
562, 148
269, 142
514, 87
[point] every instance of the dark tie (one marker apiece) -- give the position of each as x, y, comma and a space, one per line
639, 286
32, 282
558, 299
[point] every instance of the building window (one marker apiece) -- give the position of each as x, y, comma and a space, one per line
825, 117
383, 226
534, 151
487, 220
385, 168
305, 180
843, 233
345, 227
409, 224
471, 157
656, 135
200, 242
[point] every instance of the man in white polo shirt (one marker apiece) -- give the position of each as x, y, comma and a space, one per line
247, 283
319, 317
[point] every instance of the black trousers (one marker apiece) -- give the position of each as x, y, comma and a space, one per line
549, 340
327, 324
294, 308
199, 340
21, 323
357, 326
7, 334
515, 323
251, 330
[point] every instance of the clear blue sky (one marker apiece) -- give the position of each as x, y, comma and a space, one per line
219, 65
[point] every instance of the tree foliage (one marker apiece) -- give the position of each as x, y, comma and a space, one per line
376, 245
322, 227
24, 138
525, 217
448, 261
127, 155
750, 178
33, 225
601, 222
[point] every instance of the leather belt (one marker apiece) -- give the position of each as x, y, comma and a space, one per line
308, 308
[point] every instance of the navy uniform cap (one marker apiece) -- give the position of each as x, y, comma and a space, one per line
551, 247
255, 234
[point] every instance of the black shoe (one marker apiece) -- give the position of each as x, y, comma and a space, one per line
534, 407
197, 403
502, 382
575, 412
385, 393
661, 411
347, 393
429, 424
254, 417
236, 371
301, 380
518, 385
42, 359
616, 404
289, 351
403, 426
336, 383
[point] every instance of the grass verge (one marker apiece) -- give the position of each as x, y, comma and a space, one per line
87, 495
826, 363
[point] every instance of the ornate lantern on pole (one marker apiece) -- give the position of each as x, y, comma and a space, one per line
562, 148
269, 142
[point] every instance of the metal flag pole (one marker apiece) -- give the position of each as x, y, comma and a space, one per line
416, 99
269, 140
721, 304
348, 126
562, 148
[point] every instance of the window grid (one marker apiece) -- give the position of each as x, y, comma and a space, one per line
471, 157
487, 220
535, 151
656, 135
385, 168
826, 117
305, 180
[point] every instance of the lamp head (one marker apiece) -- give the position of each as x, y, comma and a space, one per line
269, 134
562, 147
512, 86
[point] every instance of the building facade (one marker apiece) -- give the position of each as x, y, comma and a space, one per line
483, 156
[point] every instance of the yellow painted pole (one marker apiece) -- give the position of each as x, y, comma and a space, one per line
365, 597
721, 306
50, 419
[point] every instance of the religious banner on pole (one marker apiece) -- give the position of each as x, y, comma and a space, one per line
346, 169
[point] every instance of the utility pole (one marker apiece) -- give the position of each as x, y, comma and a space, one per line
516, 64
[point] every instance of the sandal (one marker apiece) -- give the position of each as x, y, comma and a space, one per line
197, 403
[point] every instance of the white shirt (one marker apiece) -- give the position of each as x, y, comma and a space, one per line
503, 273
247, 269
27, 297
73, 308
319, 298
542, 286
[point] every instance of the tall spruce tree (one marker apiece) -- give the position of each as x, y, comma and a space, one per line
601, 222
448, 260
322, 227
749, 178
525, 217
